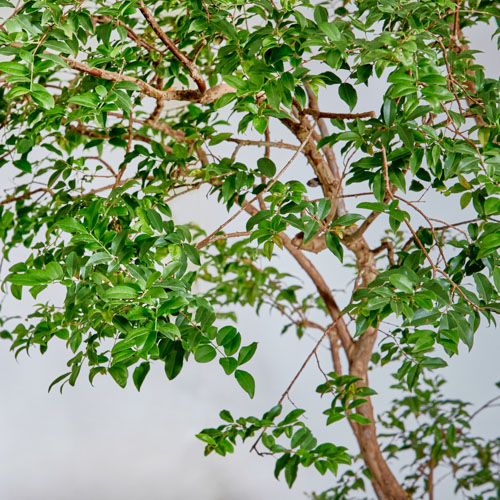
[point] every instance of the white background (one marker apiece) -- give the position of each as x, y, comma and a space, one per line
106, 443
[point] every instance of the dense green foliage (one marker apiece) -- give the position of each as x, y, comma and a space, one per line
109, 110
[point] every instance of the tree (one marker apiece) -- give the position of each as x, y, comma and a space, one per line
109, 110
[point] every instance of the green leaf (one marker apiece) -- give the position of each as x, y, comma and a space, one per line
218, 138
266, 167
402, 282
291, 470
320, 14
433, 363
120, 374
228, 364
70, 225
246, 381
465, 331
488, 244
192, 254
42, 97
72, 263
310, 231
204, 353
121, 292
64, 375
281, 464
292, 417
347, 220
17, 92
331, 31
273, 93
55, 59
170, 330
226, 335
98, 258
389, 111
118, 242
155, 220
260, 124
255, 219
225, 415
87, 100
174, 359
246, 353
13, 68
348, 94
54, 270
30, 278
360, 419
140, 373
300, 436
484, 287
376, 207
324, 207
206, 438
334, 245
406, 136
235, 81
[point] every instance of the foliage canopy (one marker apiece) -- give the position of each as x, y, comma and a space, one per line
110, 110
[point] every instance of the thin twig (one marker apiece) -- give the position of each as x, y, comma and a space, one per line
207, 240
297, 375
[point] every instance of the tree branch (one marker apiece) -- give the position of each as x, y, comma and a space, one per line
191, 67
338, 116
146, 88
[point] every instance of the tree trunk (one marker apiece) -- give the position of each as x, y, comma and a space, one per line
384, 482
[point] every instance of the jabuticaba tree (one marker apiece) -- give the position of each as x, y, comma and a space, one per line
109, 110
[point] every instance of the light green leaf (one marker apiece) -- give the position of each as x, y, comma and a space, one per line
98, 258
121, 292
260, 124
87, 100
170, 330
70, 225
331, 31
402, 282
42, 96
13, 68
360, 419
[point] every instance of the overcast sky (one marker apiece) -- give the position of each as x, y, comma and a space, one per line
102, 442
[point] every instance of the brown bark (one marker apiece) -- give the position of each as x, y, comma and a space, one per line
384, 482
358, 352
172, 47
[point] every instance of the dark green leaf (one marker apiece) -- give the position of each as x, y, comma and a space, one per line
140, 373
334, 245
119, 374
348, 94
266, 167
